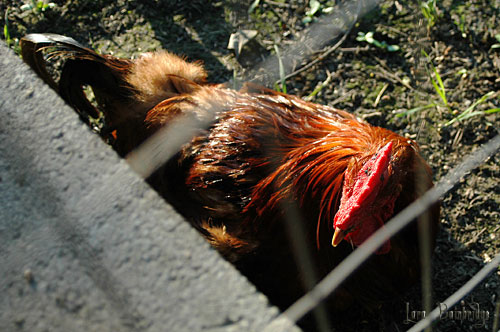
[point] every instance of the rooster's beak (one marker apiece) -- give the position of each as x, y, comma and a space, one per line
338, 236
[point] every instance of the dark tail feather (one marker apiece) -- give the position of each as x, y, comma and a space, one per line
31, 47
105, 74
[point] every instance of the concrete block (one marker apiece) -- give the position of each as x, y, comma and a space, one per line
86, 245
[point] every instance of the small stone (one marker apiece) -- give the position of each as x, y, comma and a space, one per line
19, 321
28, 275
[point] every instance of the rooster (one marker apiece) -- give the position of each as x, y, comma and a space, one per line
262, 156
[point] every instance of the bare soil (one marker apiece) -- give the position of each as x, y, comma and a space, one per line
372, 82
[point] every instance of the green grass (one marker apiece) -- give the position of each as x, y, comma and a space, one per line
469, 112
252, 7
437, 82
368, 37
440, 90
13, 43
282, 71
314, 7
429, 10
496, 45
38, 6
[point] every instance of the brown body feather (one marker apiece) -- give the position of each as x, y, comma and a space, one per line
263, 153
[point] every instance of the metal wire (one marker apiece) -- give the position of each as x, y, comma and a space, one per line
312, 40
347, 266
159, 148
162, 146
165, 143
155, 151
457, 296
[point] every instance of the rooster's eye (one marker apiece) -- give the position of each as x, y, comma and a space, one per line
351, 229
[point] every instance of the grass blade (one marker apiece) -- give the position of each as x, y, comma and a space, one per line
468, 112
253, 6
439, 89
414, 110
6, 33
282, 69
470, 115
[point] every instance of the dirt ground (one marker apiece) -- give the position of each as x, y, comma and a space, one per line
368, 76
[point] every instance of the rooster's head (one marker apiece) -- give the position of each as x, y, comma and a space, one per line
366, 201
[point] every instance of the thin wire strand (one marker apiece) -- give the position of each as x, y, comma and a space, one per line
348, 265
497, 317
157, 149
314, 38
457, 296
425, 248
303, 256
165, 143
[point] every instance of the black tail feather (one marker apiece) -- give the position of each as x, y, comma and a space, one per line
83, 67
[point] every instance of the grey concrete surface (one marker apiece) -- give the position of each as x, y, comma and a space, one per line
86, 245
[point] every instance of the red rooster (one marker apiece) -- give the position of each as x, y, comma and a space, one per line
263, 156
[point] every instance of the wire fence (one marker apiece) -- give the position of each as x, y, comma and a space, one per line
164, 144
344, 269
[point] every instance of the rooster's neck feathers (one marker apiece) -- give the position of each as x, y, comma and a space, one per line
312, 148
